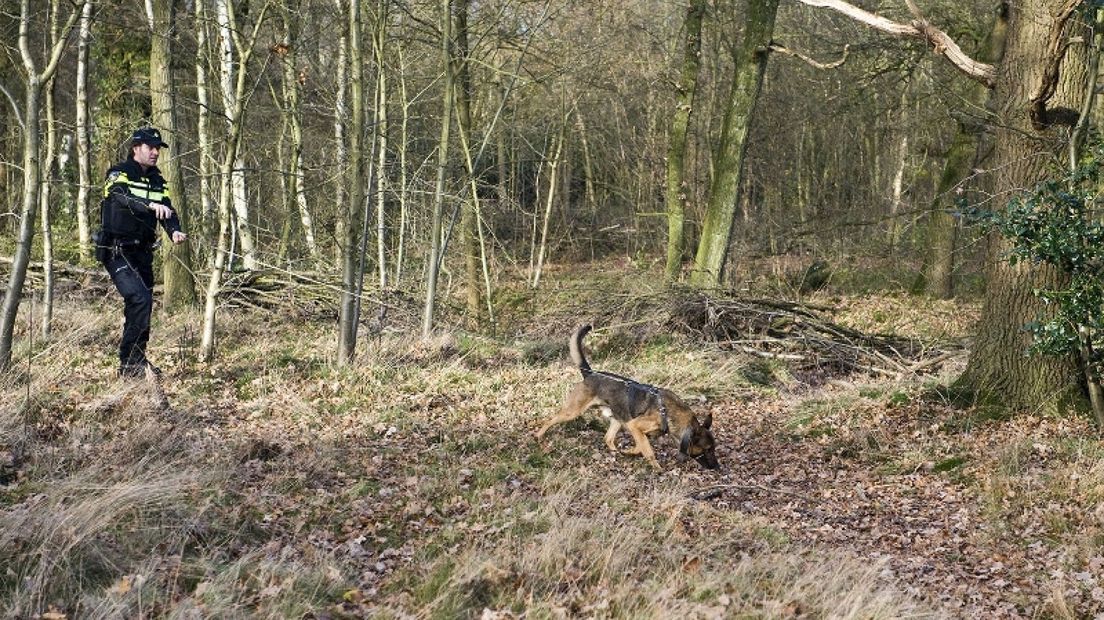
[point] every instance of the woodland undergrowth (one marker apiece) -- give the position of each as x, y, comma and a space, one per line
273, 483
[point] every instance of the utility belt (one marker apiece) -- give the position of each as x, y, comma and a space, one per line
109, 246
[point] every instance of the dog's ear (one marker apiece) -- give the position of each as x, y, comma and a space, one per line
708, 421
684, 442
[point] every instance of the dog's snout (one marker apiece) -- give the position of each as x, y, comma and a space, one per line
709, 460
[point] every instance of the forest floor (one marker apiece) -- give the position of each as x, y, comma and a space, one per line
273, 483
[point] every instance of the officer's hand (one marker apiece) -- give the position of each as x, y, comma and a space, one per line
179, 237
160, 211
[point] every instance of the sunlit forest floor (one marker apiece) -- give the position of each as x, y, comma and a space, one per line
274, 484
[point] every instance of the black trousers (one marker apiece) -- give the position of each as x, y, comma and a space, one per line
131, 270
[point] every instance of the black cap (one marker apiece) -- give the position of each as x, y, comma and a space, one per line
148, 135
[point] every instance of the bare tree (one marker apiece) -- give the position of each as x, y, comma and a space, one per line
34, 80
179, 285
749, 65
245, 46
685, 91
434, 258
84, 146
354, 180
228, 43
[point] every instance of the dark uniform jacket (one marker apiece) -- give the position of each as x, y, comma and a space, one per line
124, 211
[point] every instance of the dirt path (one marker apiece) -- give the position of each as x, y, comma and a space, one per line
847, 494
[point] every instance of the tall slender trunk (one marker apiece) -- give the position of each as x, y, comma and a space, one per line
228, 77
897, 194
379, 43
553, 165
749, 67
45, 195
293, 112
463, 87
236, 118
677, 190
33, 80
434, 258
84, 147
403, 193
346, 344
176, 266
341, 156
203, 121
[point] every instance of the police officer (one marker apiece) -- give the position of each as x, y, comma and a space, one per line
135, 199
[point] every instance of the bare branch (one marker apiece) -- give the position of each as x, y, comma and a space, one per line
1056, 51
781, 49
940, 42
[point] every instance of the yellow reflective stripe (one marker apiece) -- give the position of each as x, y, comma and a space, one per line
113, 179
141, 189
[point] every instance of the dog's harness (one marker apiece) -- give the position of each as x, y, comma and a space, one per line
630, 384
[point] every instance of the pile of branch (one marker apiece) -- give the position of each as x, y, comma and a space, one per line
68, 278
302, 295
311, 296
802, 335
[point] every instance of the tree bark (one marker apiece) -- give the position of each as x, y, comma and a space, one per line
84, 146
354, 179
749, 67
553, 165
45, 196
203, 121
434, 259
968, 150
33, 80
463, 102
294, 114
998, 371
685, 92
176, 266
379, 43
227, 27
235, 119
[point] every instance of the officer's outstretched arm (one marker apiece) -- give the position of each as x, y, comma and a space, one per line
121, 197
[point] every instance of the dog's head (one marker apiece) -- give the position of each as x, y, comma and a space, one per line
697, 442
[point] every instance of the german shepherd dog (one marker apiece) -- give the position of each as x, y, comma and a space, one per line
641, 409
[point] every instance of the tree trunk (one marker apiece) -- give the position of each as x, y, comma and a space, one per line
400, 244
998, 371
176, 266
553, 164
340, 149
897, 191
294, 113
463, 87
46, 197
235, 117
227, 31
203, 121
435, 258
966, 153
354, 178
84, 147
33, 80
379, 44
676, 196
749, 66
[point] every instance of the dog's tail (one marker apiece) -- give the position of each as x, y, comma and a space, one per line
576, 346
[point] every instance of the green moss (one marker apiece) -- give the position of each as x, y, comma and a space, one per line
949, 464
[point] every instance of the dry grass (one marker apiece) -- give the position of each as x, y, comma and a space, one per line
586, 550
279, 485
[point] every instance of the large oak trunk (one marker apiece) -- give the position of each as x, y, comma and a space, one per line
999, 371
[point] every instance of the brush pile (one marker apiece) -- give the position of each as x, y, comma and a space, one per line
802, 335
